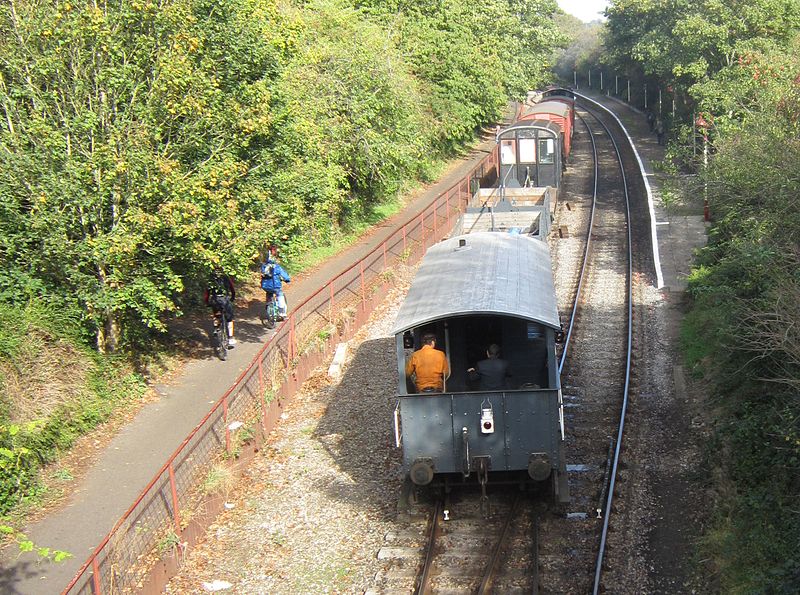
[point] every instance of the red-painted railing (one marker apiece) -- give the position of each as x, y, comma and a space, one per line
124, 560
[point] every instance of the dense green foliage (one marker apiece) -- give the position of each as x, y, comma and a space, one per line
144, 144
53, 391
676, 45
738, 64
469, 57
583, 51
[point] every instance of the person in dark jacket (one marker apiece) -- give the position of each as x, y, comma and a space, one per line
660, 130
219, 294
492, 371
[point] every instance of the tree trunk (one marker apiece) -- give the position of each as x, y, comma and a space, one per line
108, 332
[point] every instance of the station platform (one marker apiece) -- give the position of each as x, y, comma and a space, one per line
679, 229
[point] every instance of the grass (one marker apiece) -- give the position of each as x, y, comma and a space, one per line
168, 543
219, 480
62, 475
324, 577
278, 538
54, 389
269, 396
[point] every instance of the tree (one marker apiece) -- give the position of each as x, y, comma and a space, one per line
123, 152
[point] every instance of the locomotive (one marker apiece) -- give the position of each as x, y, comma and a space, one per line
491, 284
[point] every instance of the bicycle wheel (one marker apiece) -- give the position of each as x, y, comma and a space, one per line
271, 313
222, 337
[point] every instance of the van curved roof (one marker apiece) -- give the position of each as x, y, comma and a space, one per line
557, 108
531, 122
491, 273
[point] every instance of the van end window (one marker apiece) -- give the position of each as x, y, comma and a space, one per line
508, 154
534, 331
527, 150
546, 150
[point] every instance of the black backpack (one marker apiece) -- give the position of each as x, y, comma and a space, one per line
217, 285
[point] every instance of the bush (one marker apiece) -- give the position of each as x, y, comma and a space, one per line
54, 389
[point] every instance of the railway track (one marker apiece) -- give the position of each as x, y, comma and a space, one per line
596, 274
596, 373
451, 545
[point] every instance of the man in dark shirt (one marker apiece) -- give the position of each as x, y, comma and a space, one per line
492, 372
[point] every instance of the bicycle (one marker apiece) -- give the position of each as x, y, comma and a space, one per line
221, 334
272, 310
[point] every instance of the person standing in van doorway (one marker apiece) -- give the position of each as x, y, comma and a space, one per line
428, 366
492, 371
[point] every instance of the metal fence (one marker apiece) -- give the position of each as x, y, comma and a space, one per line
173, 509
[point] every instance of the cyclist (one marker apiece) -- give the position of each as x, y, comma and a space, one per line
272, 277
220, 294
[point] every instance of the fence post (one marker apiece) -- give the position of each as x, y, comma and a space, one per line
363, 286
261, 375
225, 420
98, 589
176, 514
330, 302
448, 210
385, 263
435, 217
292, 339
262, 394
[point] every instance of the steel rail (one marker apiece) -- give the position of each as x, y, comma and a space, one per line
624, 408
433, 535
491, 567
535, 553
582, 275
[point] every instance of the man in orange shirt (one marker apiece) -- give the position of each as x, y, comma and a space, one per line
428, 366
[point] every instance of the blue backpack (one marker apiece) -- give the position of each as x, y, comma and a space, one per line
267, 274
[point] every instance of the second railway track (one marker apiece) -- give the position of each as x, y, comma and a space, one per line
597, 374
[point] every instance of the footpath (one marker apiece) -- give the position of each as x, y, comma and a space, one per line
123, 468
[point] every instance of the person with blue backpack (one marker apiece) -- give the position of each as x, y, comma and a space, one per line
273, 275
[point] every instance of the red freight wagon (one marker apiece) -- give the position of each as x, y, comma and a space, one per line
558, 112
565, 96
